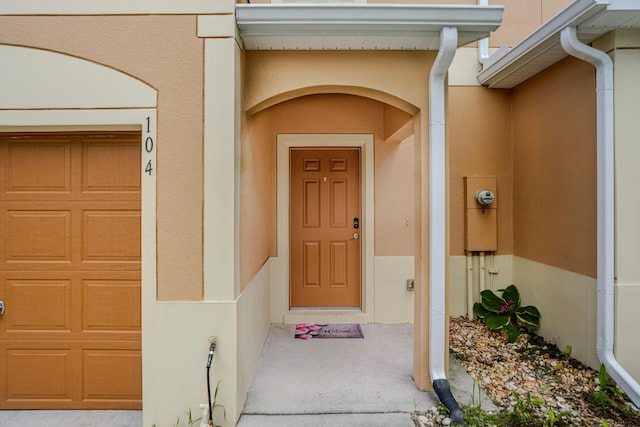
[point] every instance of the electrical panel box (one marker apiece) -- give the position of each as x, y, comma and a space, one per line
481, 214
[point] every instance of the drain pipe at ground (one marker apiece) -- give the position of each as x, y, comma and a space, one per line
438, 223
605, 184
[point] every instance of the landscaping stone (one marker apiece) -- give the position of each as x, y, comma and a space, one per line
533, 369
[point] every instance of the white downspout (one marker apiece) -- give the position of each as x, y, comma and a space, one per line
605, 180
438, 220
469, 285
482, 268
483, 44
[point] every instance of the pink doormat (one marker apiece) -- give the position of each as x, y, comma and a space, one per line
306, 331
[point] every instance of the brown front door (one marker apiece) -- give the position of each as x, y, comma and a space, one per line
70, 271
325, 227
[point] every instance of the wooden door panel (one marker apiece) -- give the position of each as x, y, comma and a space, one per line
311, 262
311, 200
339, 264
325, 257
70, 252
339, 203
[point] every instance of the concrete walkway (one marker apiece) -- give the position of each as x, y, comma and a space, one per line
342, 382
85, 418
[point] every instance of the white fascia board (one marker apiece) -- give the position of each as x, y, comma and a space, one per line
540, 41
624, 5
348, 19
115, 7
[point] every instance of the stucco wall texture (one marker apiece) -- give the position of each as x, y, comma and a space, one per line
480, 144
554, 164
164, 52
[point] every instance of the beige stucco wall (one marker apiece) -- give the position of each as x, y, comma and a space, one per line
555, 168
479, 134
554, 202
567, 303
397, 78
257, 195
142, 46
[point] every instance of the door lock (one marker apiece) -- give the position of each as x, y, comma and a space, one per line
1, 307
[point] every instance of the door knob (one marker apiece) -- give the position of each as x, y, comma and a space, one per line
356, 236
1, 307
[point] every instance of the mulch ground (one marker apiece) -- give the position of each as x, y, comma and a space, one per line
514, 375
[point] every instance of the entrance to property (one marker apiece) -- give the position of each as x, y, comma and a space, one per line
70, 271
325, 216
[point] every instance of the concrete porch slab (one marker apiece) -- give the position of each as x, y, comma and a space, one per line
342, 381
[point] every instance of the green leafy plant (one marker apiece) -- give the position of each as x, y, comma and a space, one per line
190, 422
607, 384
504, 312
566, 354
608, 400
473, 412
553, 418
215, 405
523, 411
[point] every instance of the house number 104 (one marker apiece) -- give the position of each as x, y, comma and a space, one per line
148, 147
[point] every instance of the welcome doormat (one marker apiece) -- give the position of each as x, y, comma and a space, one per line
306, 331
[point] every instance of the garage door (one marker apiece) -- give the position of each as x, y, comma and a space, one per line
70, 271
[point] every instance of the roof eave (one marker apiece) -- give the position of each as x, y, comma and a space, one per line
592, 19
365, 20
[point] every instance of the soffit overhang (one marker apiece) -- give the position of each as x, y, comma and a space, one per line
542, 49
360, 26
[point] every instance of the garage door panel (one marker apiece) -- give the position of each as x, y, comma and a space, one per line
38, 167
37, 305
111, 236
78, 305
112, 374
38, 235
111, 306
110, 168
38, 374
87, 235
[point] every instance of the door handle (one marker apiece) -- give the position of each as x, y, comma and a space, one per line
1, 307
356, 236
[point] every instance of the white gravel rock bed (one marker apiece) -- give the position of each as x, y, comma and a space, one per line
529, 367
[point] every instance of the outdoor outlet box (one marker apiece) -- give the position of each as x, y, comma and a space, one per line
410, 284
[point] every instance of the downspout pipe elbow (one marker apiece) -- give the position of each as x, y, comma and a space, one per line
483, 44
437, 222
605, 183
